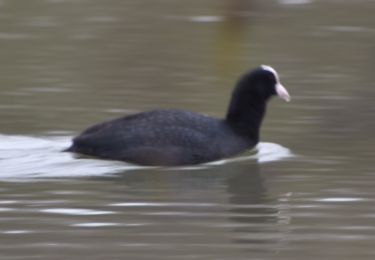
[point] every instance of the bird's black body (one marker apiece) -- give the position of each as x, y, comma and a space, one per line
177, 137
162, 137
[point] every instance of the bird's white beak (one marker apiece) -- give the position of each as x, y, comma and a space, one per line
282, 92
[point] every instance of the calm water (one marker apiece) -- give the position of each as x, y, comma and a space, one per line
306, 192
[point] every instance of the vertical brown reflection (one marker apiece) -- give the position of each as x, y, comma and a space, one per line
251, 208
231, 41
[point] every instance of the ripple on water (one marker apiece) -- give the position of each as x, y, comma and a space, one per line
96, 224
340, 199
7, 202
206, 19
3, 209
16, 232
79, 212
295, 2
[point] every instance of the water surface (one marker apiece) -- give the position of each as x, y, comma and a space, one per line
306, 192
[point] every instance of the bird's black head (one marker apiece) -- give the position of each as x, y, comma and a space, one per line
261, 83
248, 104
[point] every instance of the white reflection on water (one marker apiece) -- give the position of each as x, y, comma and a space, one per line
16, 232
25, 157
74, 211
159, 204
265, 152
206, 19
295, 2
340, 199
6, 209
95, 224
107, 224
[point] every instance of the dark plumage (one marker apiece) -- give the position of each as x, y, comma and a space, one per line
177, 137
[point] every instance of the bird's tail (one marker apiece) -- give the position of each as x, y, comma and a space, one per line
69, 149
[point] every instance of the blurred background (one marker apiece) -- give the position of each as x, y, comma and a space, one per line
67, 64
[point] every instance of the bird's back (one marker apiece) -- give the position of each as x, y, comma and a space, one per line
159, 137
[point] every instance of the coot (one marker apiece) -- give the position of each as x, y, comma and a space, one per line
172, 137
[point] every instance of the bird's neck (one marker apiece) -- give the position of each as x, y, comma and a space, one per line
245, 116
